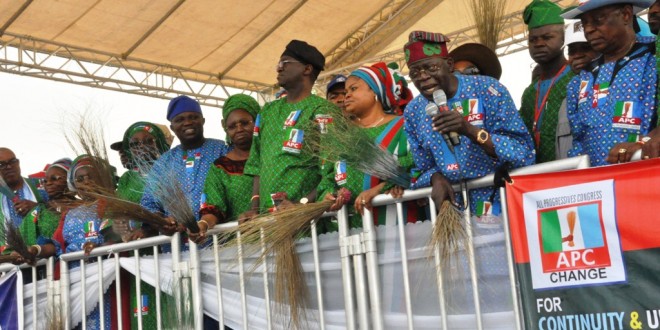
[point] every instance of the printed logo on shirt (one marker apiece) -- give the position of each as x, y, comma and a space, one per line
626, 115
452, 167
584, 93
257, 126
295, 142
473, 112
144, 304
340, 172
106, 223
90, 230
292, 119
323, 121
600, 92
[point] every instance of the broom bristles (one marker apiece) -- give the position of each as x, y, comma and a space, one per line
5, 190
13, 239
487, 16
7, 258
279, 231
449, 235
120, 209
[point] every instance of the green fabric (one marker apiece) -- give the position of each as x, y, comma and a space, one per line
131, 186
541, 13
546, 151
230, 193
355, 180
279, 170
240, 101
39, 222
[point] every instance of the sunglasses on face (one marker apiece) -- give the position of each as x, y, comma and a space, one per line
281, 64
9, 163
83, 178
147, 142
52, 178
429, 69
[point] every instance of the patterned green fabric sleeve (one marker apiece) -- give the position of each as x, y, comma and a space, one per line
131, 186
327, 184
253, 165
47, 223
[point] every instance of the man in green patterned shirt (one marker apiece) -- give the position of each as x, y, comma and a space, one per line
543, 107
283, 170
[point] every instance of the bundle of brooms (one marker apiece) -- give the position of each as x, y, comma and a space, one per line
12, 238
274, 234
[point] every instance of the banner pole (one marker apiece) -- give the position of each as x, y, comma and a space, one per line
509, 255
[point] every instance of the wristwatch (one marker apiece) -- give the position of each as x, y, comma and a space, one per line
304, 200
645, 139
482, 136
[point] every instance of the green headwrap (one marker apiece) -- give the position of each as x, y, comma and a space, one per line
541, 13
240, 101
143, 126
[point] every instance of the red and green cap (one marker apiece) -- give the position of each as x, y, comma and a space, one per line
423, 45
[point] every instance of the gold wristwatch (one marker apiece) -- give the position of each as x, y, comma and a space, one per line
482, 136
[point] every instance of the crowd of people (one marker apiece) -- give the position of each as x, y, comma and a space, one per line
600, 101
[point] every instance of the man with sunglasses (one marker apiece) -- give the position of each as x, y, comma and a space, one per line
25, 193
285, 171
478, 108
615, 100
543, 106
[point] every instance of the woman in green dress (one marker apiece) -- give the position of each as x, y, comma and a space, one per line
143, 143
372, 97
227, 190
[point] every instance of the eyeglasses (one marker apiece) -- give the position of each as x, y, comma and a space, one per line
83, 178
137, 143
52, 178
430, 69
280, 65
241, 123
9, 163
470, 71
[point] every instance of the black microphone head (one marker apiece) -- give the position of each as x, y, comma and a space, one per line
439, 97
431, 109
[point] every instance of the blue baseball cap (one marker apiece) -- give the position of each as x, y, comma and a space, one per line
589, 5
338, 79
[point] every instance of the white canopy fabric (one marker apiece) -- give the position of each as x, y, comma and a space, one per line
236, 43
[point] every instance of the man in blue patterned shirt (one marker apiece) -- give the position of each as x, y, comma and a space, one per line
491, 132
614, 101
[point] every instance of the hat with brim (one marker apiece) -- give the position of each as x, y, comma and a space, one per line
588, 5
117, 146
483, 57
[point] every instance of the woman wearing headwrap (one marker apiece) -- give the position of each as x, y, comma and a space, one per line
40, 224
84, 228
371, 96
227, 190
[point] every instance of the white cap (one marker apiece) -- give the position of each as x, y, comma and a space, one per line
574, 32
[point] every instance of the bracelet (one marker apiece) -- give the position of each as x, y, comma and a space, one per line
204, 221
38, 247
254, 197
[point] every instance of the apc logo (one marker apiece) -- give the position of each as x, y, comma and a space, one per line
573, 238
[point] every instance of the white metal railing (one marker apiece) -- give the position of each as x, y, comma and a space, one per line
358, 258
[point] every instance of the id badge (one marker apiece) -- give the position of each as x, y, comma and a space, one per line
90, 230
340, 173
584, 91
601, 91
626, 116
323, 121
292, 119
295, 142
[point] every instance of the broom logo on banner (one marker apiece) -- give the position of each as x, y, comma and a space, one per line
573, 238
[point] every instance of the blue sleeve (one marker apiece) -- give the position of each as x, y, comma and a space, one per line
512, 141
423, 158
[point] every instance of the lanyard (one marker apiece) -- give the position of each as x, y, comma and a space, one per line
538, 109
637, 51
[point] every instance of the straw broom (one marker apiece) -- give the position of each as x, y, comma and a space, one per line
7, 258
117, 208
279, 230
487, 16
5, 190
449, 235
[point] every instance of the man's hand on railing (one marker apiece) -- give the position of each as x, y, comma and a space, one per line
88, 247
441, 190
247, 216
171, 227
622, 152
342, 197
363, 200
651, 149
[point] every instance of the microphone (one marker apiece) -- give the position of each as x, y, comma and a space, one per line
433, 110
440, 98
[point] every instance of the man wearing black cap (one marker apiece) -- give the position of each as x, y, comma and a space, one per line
282, 168
123, 158
543, 106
